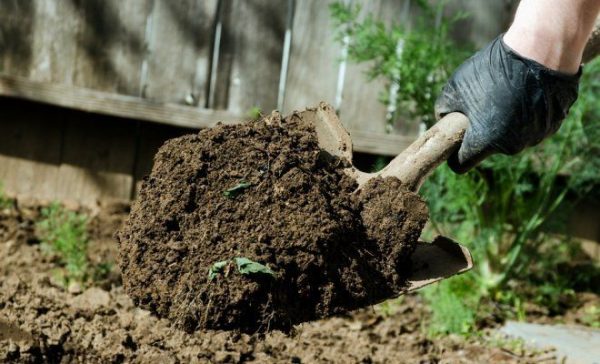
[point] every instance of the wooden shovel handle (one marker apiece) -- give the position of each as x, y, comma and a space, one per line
416, 162
592, 48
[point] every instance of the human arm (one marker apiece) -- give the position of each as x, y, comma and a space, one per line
553, 32
518, 89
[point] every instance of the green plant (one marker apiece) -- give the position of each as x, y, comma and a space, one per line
254, 112
389, 307
509, 209
5, 202
414, 59
591, 316
453, 304
64, 233
380, 163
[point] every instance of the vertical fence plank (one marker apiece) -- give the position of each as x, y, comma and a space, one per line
313, 66
251, 53
54, 43
178, 65
16, 25
97, 159
110, 44
360, 107
30, 143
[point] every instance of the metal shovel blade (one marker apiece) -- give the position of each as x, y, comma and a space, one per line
440, 259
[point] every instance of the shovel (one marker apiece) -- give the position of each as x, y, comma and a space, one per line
430, 262
442, 258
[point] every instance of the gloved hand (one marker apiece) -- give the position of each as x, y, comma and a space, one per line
512, 103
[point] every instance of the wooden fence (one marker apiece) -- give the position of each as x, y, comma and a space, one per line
113, 69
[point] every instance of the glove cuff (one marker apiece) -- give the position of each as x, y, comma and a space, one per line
534, 65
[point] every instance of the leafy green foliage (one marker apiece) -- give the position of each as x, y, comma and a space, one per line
254, 113
389, 307
247, 267
217, 268
591, 315
450, 313
508, 210
380, 163
65, 233
235, 191
417, 58
5, 202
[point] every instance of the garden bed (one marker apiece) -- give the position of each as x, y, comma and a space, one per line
40, 321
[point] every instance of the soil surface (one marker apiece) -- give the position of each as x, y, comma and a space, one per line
41, 322
263, 191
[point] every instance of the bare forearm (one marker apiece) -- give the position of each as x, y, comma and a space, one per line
553, 32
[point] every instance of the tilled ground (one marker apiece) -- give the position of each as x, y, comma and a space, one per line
41, 322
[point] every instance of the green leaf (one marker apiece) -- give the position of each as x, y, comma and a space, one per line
247, 267
216, 268
237, 189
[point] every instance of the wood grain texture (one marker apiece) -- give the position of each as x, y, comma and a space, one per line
179, 51
110, 44
97, 159
54, 47
360, 108
182, 116
16, 28
250, 56
379, 143
30, 145
313, 67
113, 104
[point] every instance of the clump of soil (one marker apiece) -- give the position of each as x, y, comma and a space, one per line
263, 190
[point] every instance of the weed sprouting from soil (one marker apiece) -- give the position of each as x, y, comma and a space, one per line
5, 202
255, 112
64, 233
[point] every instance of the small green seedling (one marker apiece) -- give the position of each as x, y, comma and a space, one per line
246, 266
64, 233
254, 112
216, 268
235, 191
5, 202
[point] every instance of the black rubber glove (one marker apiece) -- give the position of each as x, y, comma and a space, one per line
512, 103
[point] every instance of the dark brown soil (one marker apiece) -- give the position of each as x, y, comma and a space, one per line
40, 322
297, 216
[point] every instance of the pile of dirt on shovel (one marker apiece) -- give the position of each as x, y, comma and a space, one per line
253, 227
